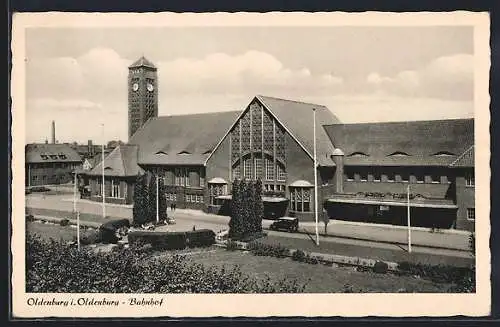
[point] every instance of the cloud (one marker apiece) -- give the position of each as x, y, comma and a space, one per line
252, 71
448, 77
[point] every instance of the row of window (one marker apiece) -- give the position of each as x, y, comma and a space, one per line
471, 213
404, 177
272, 187
254, 171
182, 176
63, 165
194, 198
112, 192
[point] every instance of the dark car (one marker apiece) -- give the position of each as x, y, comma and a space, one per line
285, 223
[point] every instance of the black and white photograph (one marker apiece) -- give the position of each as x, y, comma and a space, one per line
247, 164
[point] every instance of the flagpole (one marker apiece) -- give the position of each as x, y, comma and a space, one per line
408, 217
103, 182
74, 194
78, 229
315, 179
157, 200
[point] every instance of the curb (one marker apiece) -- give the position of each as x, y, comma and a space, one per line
326, 258
71, 221
388, 242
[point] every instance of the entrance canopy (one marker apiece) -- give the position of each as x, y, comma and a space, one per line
421, 203
264, 198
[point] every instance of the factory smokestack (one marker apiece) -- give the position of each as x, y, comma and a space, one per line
53, 132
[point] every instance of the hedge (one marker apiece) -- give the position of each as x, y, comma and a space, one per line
159, 240
53, 267
439, 273
270, 250
109, 228
200, 238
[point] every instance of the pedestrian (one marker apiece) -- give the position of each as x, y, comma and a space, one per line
175, 204
172, 206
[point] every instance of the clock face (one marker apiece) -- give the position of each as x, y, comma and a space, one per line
150, 87
135, 87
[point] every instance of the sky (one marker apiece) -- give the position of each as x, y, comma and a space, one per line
78, 76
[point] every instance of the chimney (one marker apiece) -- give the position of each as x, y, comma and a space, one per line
53, 132
90, 148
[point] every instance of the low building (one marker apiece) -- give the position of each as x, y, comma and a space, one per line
120, 173
49, 164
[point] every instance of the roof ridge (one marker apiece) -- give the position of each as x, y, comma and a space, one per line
200, 113
296, 101
401, 121
462, 155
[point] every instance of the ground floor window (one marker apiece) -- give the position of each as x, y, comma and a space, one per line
215, 190
194, 198
171, 197
471, 214
115, 188
300, 199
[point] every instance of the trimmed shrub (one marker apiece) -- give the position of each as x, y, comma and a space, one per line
472, 243
298, 255
53, 267
64, 222
380, 267
231, 245
200, 238
439, 273
270, 250
160, 240
108, 230
89, 237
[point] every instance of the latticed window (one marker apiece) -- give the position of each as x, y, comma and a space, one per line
245, 132
247, 168
268, 132
256, 127
280, 142
215, 190
237, 171
469, 179
281, 172
300, 199
115, 189
269, 169
181, 177
258, 168
235, 143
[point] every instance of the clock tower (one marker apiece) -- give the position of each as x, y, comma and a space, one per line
142, 94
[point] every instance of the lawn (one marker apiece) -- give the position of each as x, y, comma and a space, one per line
47, 231
318, 278
66, 214
394, 255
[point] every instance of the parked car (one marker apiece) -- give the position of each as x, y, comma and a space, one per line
289, 224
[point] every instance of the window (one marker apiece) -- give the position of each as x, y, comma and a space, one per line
269, 170
216, 190
471, 214
363, 176
300, 198
188, 197
281, 173
236, 172
258, 168
182, 177
391, 177
247, 168
202, 177
405, 177
435, 178
419, 176
376, 176
349, 173
469, 179
115, 189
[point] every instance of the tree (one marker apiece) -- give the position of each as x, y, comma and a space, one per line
140, 209
258, 206
235, 221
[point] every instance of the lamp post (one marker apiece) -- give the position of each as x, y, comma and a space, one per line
76, 213
315, 179
157, 200
408, 217
103, 185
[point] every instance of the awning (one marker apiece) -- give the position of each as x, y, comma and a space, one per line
217, 180
264, 198
415, 204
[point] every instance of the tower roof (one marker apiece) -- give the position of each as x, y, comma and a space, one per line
142, 62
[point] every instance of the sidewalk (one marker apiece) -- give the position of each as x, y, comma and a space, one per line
454, 240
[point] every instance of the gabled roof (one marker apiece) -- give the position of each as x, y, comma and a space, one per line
423, 141
142, 62
163, 140
121, 162
297, 118
41, 152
